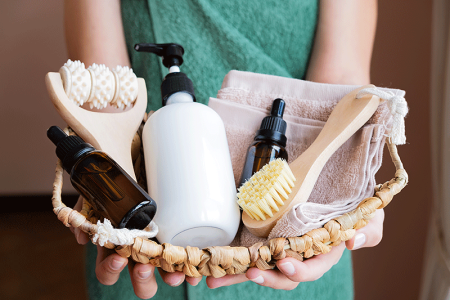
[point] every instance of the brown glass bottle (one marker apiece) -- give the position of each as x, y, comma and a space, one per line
110, 190
112, 193
269, 144
260, 153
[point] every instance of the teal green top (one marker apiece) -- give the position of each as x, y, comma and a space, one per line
263, 36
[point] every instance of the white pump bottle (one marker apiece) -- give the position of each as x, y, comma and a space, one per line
188, 166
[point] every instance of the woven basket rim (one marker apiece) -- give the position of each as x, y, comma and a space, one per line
218, 261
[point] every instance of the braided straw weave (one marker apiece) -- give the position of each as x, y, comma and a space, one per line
219, 261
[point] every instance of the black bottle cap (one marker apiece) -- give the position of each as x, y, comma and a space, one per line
174, 83
139, 216
273, 127
68, 148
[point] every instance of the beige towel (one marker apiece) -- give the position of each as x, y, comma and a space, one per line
347, 178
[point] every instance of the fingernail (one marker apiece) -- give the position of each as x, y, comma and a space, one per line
178, 283
145, 275
287, 268
360, 240
258, 280
116, 264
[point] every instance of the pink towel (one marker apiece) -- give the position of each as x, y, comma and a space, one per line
346, 179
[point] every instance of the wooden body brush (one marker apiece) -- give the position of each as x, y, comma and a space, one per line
109, 132
348, 116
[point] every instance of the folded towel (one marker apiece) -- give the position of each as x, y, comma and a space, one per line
349, 175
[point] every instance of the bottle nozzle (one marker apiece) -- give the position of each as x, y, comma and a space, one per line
278, 108
56, 135
172, 54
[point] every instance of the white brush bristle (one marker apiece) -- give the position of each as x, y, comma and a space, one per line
266, 190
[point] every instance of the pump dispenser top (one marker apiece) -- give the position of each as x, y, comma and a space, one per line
176, 81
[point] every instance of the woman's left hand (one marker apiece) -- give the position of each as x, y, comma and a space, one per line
290, 272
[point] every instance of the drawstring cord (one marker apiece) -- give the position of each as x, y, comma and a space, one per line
398, 108
120, 237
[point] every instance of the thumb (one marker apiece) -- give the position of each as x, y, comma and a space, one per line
370, 235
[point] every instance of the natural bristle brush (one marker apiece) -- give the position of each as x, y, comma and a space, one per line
266, 190
276, 188
98, 86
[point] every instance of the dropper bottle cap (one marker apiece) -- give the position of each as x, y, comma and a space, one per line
172, 58
68, 148
273, 127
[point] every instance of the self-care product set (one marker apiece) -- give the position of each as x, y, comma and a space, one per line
192, 153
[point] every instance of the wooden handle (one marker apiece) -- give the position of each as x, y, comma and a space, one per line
347, 117
109, 132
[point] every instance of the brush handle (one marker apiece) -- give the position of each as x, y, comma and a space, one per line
347, 117
109, 132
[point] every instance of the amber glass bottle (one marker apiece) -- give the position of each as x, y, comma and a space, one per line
109, 189
269, 144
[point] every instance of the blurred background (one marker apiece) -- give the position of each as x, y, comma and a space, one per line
40, 258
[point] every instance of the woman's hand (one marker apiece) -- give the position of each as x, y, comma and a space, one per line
289, 274
370, 235
291, 271
109, 264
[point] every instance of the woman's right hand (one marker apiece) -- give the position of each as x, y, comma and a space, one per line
109, 264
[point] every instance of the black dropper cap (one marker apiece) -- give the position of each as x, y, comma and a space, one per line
68, 148
273, 127
139, 216
172, 55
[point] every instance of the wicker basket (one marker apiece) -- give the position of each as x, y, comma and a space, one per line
218, 261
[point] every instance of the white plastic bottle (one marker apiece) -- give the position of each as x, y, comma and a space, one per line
188, 165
